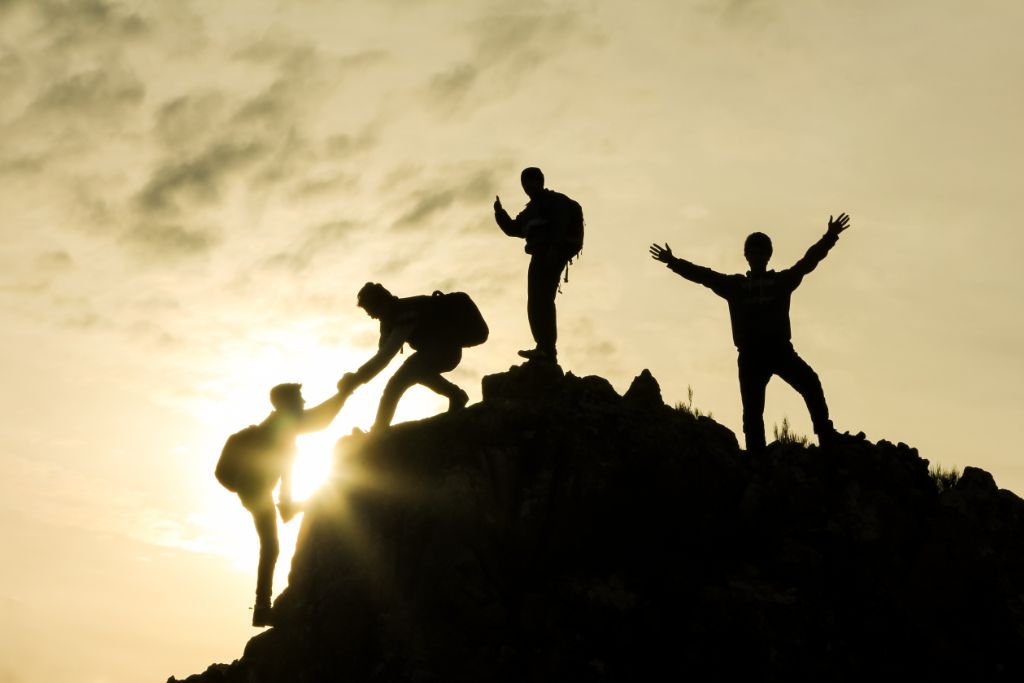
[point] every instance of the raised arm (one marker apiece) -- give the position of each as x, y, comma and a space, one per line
513, 227
717, 282
320, 417
819, 250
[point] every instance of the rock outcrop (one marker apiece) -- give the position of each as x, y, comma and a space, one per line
558, 531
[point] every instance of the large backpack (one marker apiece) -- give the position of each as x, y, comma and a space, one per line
569, 226
451, 318
247, 462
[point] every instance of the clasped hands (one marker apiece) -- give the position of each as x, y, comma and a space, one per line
348, 383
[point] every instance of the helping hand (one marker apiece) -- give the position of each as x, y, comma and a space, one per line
837, 225
497, 204
347, 384
663, 254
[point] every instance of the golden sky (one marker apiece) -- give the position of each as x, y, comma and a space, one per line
191, 194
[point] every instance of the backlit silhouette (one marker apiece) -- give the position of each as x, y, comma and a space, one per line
759, 312
552, 225
437, 327
256, 458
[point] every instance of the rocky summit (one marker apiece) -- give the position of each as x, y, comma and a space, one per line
558, 531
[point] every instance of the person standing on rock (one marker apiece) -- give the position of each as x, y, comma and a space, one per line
256, 458
552, 225
437, 327
759, 313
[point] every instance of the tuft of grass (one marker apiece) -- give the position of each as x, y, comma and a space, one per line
784, 434
944, 479
688, 407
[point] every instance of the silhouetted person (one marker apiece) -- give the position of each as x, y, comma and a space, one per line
256, 458
759, 312
552, 225
436, 327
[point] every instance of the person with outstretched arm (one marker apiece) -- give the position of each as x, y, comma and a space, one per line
420, 322
759, 314
257, 458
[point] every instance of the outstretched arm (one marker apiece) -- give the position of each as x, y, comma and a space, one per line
389, 348
819, 250
513, 227
715, 281
320, 417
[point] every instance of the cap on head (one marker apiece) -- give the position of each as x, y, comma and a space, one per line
286, 395
373, 296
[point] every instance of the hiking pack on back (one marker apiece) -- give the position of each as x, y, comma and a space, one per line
569, 226
246, 462
561, 221
451, 318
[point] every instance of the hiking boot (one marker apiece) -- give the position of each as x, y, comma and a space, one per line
834, 439
458, 401
263, 614
539, 354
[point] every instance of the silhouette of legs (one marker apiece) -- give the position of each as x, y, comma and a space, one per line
422, 367
756, 367
754, 376
264, 515
799, 375
542, 286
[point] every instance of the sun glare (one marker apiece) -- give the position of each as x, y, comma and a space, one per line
234, 405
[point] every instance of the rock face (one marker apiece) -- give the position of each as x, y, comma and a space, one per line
560, 532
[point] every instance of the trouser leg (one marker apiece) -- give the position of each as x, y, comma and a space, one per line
406, 376
754, 375
542, 286
265, 518
423, 367
798, 374
443, 360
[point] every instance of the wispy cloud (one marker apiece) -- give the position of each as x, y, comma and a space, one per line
157, 238
95, 92
70, 24
317, 241
199, 178
54, 261
511, 43
184, 121
472, 188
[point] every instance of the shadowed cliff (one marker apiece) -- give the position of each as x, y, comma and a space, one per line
559, 531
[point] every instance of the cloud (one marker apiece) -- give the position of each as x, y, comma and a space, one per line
199, 178
97, 92
211, 138
740, 12
305, 78
525, 38
455, 83
317, 240
479, 186
512, 43
344, 144
54, 261
185, 120
171, 239
70, 23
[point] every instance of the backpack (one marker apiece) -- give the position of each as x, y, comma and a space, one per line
569, 227
451, 318
247, 461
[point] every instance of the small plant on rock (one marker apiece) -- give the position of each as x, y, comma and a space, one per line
784, 434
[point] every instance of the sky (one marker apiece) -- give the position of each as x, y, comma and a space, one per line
192, 193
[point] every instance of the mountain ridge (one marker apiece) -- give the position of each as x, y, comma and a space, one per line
558, 530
